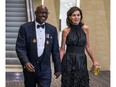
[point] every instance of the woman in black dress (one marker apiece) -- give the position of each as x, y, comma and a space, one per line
74, 62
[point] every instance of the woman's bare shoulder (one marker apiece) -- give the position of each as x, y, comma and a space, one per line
85, 28
66, 31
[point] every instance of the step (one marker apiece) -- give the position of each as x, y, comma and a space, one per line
14, 24
10, 40
12, 29
10, 47
11, 54
15, 1
11, 35
15, 9
16, 19
16, 14
14, 68
12, 61
12, 5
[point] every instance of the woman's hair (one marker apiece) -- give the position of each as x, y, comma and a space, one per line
70, 12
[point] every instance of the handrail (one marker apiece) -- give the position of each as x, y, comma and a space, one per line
30, 11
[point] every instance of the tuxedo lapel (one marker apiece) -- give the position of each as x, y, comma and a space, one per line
34, 39
46, 35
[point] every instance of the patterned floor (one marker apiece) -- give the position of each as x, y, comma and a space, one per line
15, 79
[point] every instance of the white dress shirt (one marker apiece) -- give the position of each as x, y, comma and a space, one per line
40, 38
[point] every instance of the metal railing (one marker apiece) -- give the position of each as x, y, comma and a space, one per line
30, 10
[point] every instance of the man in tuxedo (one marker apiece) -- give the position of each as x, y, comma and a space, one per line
35, 42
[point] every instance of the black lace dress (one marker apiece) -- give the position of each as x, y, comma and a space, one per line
74, 63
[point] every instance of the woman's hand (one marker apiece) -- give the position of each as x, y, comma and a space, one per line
96, 64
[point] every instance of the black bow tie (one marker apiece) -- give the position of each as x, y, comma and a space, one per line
42, 26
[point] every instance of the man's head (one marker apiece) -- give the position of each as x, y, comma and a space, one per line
41, 14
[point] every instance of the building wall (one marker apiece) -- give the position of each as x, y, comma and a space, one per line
97, 16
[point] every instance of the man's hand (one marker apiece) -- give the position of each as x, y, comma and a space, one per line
57, 74
29, 67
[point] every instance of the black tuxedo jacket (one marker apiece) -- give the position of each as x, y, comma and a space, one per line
26, 46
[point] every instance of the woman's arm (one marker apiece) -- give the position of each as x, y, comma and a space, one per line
63, 42
88, 47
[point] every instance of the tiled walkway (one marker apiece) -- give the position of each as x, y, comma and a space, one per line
15, 79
